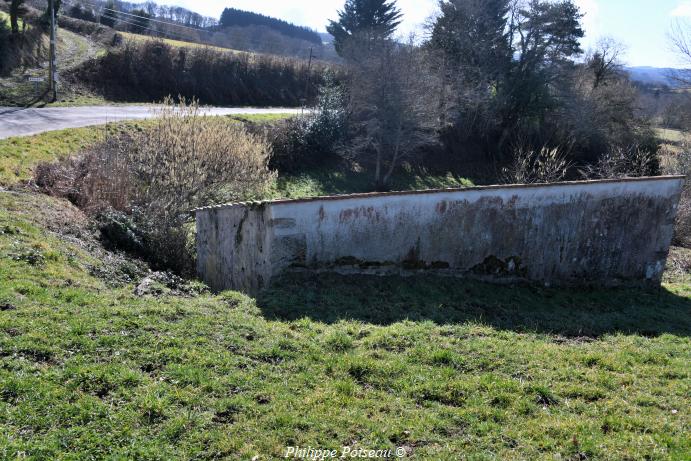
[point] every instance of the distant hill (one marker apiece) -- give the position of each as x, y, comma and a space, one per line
652, 75
326, 37
232, 17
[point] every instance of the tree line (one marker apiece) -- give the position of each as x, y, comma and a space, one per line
493, 79
152, 70
232, 17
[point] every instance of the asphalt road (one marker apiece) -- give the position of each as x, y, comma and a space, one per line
22, 122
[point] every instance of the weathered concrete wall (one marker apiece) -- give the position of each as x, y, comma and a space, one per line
602, 232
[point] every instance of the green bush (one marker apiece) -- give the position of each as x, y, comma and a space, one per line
120, 230
311, 139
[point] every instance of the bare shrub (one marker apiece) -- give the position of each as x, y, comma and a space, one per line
392, 118
531, 166
680, 163
143, 184
620, 162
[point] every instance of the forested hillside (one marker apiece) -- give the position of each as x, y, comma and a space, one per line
234, 17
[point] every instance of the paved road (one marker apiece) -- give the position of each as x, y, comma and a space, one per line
23, 122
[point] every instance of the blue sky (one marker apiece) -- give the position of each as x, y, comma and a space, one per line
641, 25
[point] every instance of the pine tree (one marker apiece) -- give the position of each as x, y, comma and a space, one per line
370, 20
17, 9
473, 36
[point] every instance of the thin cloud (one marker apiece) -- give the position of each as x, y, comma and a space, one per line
591, 13
308, 13
682, 10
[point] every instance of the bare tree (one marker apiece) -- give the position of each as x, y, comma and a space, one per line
605, 60
680, 38
392, 115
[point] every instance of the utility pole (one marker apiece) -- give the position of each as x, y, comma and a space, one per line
53, 63
307, 85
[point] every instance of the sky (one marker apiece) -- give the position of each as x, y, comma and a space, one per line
641, 25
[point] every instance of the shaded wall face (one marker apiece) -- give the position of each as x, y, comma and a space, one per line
571, 233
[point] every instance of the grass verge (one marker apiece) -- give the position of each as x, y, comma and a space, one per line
20, 155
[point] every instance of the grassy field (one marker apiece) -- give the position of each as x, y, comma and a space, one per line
175, 43
671, 136
328, 182
5, 19
672, 140
441, 368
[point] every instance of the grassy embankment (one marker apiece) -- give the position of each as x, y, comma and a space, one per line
440, 367
175, 43
72, 50
19, 155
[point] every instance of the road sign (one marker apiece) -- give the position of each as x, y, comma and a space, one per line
36, 79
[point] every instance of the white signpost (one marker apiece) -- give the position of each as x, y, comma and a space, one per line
36, 81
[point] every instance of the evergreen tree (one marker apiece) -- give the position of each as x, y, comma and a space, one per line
17, 9
549, 36
370, 20
473, 36
232, 17
57, 4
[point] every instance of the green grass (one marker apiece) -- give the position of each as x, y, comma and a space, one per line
672, 140
328, 182
20, 155
671, 136
259, 118
5, 19
176, 43
443, 368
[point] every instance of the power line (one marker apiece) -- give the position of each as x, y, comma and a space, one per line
142, 27
174, 35
148, 18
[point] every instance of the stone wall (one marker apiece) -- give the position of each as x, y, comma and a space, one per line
590, 232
